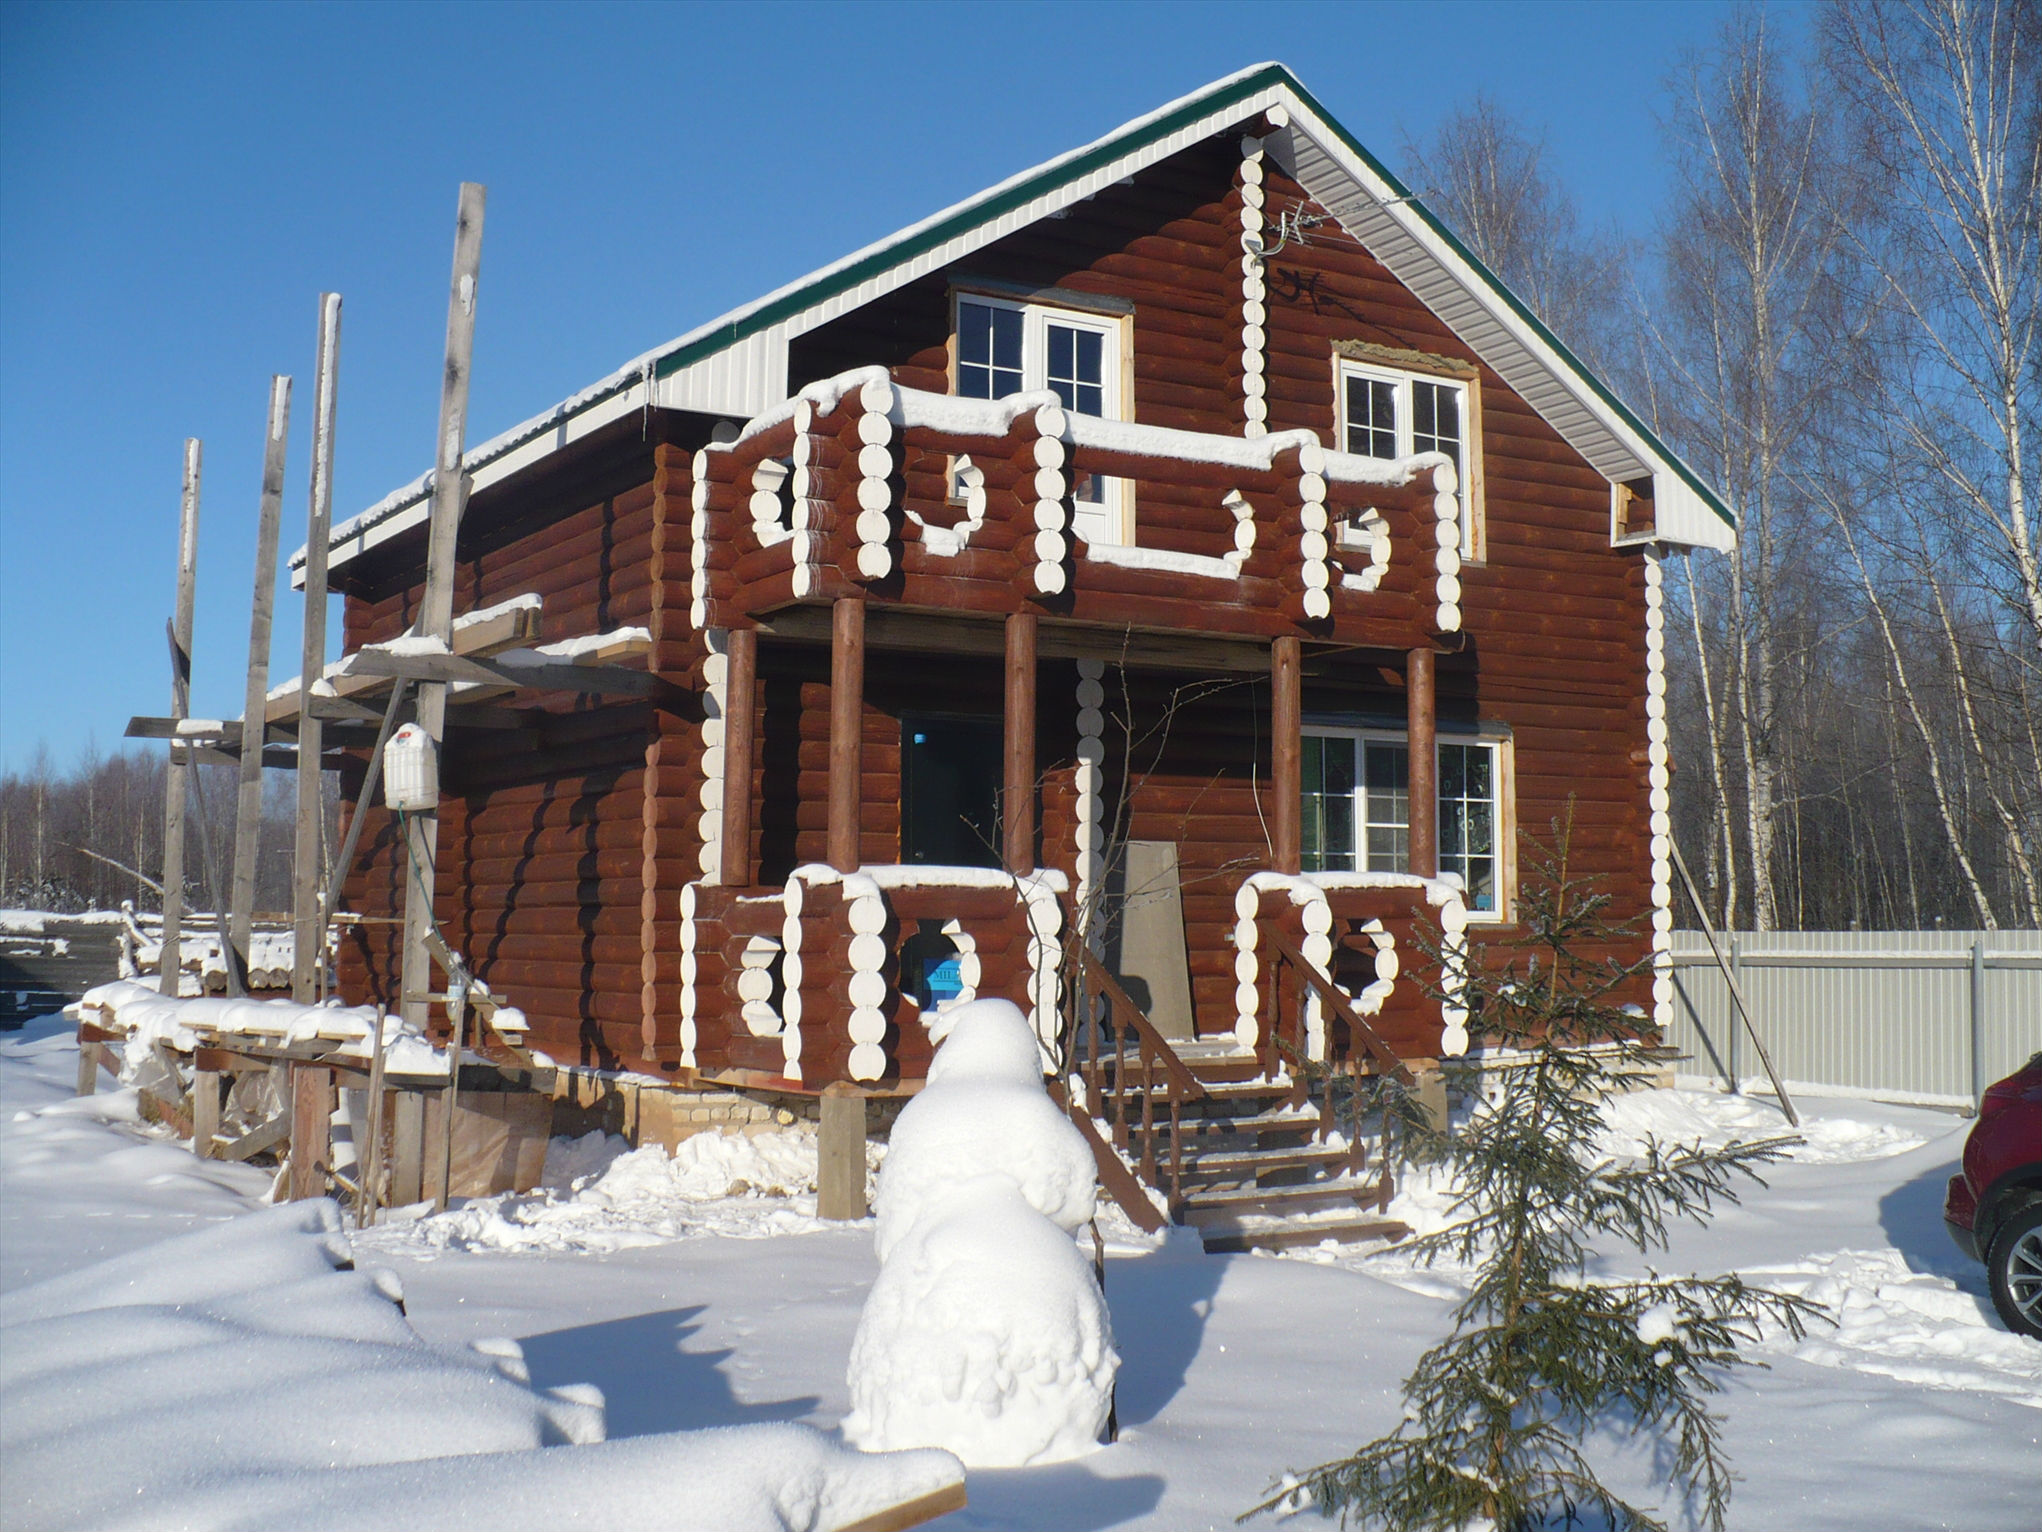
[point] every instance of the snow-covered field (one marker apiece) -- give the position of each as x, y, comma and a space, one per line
700, 1290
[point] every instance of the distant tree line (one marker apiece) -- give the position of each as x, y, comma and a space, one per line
1836, 323
91, 836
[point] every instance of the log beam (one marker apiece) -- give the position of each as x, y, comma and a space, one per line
1286, 725
1018, 809
847, 707
248, 800
176, 782
436, 604
1421, 722
308, 921
740, 749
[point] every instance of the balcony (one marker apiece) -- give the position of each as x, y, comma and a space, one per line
862, 488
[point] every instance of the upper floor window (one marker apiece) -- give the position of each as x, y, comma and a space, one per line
1005, 346
988, 350
1357, 809
1391, 412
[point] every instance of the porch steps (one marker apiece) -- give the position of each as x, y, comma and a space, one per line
1256, 1173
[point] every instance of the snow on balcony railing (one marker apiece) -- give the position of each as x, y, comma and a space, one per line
815, 492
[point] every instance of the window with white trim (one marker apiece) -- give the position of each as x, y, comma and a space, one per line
1357, 806
1005, 347
1389, 413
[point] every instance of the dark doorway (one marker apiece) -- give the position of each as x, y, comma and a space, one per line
950, 790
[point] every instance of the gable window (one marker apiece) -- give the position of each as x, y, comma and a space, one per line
1357, 808
1005, 347
1392, 412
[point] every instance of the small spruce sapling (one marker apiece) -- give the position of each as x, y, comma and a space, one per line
1540, 1353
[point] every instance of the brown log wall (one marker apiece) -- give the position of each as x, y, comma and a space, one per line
1553, 617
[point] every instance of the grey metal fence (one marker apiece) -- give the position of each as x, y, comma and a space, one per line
1931, 1016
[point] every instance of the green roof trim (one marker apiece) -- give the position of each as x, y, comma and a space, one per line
969, 216
1417, 205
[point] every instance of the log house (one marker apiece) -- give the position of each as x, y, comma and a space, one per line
1190, 522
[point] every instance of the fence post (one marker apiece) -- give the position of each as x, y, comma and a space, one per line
1977, 1020
1736, 978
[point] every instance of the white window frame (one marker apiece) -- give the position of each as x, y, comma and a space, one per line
1502, 790
1106, 518
1403, 380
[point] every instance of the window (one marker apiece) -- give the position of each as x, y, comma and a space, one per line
1357, 808
1004, 347
1388, 412
1467, 820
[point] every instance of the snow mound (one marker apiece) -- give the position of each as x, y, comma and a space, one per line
987, 1040
973, 1126
985, 1332
248, 1349
1712, 1119
598, 1194
1920, 1328
773, 1478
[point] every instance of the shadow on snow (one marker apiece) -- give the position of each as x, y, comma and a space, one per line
650, 1380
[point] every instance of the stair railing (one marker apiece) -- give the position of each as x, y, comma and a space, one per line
1125, 1065
1286, 1032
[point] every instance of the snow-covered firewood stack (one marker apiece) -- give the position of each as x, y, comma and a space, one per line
986, 1332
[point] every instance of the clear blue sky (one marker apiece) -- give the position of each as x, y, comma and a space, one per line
179, 182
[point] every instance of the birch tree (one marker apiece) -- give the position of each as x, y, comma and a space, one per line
1748, 334
1486, 175
1943, 99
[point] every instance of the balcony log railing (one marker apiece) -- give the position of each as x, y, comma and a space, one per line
862, 486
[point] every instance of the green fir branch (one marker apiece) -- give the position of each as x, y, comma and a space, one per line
1540, 1356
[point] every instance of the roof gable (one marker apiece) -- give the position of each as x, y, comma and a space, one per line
737, 364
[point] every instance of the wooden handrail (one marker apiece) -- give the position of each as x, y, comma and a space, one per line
1143, 1061
1125, 1009
1336, 999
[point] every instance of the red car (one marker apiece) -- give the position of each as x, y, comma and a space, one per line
1994, 1208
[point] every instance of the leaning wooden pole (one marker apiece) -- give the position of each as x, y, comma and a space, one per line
177, 789
308, 919
436, 609
248, 805
1736, 992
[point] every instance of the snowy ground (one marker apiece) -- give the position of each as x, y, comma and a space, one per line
692, 1300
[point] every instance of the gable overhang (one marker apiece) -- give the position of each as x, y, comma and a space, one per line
736, 366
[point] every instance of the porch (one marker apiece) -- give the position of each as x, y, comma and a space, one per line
906, 535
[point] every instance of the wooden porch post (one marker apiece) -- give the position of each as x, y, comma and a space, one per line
847, 709
1286, 716
1019, 815
1422, 718
740, 749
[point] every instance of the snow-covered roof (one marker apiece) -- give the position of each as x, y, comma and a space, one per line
736, 365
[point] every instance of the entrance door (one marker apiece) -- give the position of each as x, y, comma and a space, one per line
950, 791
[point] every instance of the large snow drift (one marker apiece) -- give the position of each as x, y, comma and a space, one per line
985, 1332
245, 1375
